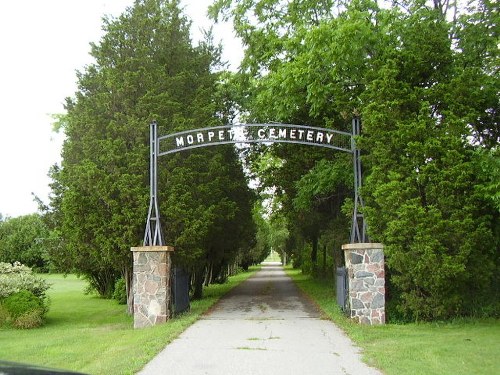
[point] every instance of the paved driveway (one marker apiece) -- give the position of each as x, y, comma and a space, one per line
264, 326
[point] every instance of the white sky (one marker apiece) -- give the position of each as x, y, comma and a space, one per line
43, 43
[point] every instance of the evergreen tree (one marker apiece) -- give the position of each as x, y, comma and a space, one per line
145, 69
422, 192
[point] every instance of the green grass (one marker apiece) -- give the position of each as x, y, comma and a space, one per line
458, 347
96, 336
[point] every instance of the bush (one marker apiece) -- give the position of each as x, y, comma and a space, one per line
17, 277
120, 293
23, 310
21, 303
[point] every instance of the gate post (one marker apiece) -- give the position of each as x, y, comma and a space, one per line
358, 228
365, 268
151, 285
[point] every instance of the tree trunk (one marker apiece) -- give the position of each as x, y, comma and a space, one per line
314, 253
324, 260
127, 276
209, 274
199, 278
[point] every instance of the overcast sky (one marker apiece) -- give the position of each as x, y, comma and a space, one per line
43, 43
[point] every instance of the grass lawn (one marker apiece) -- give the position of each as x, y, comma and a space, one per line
96, 336
459, 347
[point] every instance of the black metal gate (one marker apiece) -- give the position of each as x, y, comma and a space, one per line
180, 290
341, 287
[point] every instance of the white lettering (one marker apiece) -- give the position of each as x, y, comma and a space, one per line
179, 141
270, 134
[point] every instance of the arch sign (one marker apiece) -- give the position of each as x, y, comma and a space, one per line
255, 133
246, 134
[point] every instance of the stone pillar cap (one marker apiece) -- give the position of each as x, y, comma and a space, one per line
362, 246
152, 248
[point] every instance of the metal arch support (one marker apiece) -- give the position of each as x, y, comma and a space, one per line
153, 235
358, 228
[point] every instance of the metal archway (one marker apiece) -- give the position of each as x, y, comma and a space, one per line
252, 133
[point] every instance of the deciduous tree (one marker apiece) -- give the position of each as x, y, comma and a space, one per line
423, 76
24, 239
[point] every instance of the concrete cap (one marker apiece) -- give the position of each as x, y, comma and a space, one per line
152, 248
362, 246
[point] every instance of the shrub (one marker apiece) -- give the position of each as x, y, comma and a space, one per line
21, 303
23, 310
120, 293
17, 277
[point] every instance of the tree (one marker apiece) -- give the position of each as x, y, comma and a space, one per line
208, 207
145, 68
309, 63
423, 76
23, 239
261, 246
422, 204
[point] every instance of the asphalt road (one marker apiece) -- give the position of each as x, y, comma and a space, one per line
264, 326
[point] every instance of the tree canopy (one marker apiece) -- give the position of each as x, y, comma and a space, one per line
423, 77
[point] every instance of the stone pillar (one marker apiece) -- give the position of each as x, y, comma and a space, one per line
151, 285
365, 268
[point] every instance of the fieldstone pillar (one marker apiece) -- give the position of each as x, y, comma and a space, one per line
365, 268
151, 285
